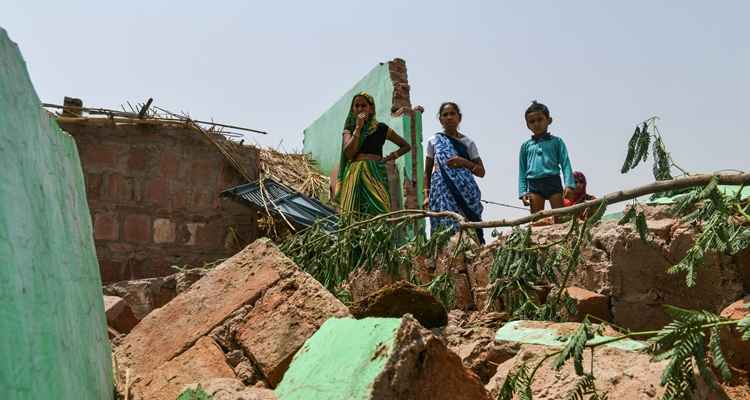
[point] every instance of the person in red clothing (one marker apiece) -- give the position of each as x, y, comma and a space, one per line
578, 195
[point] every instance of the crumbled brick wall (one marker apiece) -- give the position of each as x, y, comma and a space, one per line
153, 195
397, 68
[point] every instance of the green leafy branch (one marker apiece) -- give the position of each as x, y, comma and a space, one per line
714, 213
647, 135
682, 342
521, 267
639, 221
378, 243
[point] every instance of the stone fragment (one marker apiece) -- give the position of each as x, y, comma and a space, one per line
620, 369
170, 330
589, 303
633, 273
203, 360
735, 349
399, 299
119, 315
287, 315
231, 389
472, 338
377, 358
257, 302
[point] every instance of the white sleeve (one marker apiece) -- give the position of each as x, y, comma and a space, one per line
430, 150
473, 151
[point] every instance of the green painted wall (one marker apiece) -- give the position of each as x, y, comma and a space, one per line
53, 339
516, 331
341, 360
322, 139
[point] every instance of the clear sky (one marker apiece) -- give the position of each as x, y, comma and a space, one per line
601, 67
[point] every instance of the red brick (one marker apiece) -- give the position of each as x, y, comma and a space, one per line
138, 159
164, 230
111, 271
283, 319
192, 236
106, 227
157, 192
100, 157
118, 187
736, 349
204, 360
229, 177
137, 228
169, 164
203, 172
167, 331
120, 247
202, 199
178, 200
93, 185
211, 235
589, 303
119, 315
151, 267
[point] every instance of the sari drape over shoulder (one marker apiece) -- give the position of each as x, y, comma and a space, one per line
453, 189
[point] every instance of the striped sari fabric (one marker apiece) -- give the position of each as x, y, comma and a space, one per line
363, 189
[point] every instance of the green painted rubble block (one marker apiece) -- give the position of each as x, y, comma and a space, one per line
514, 331
53, 338
341, 360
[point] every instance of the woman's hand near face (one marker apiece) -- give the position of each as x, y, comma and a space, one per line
361, 118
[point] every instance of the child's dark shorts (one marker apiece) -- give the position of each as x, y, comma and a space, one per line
546, 186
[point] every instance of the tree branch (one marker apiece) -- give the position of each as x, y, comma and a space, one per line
617, 197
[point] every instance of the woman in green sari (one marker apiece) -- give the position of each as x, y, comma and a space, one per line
362, 178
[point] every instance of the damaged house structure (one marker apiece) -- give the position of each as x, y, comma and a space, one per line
153, 190
154, 187
388, 84
95, 201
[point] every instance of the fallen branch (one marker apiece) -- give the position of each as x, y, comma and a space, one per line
616, 197
611, 198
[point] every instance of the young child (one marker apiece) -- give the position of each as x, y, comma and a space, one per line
579, 195
540, 161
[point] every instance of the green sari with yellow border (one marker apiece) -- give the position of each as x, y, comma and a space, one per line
363, 185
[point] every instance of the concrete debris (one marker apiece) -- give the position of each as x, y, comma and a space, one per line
146, 295
203, 360
377, 358
119, 315
399, 299
472, 337
362, 283
281, 321
257, 322
735, 349
634, 274
256, 297
589, 303
231, 389
623, 374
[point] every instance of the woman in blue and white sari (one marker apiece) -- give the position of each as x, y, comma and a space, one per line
452, 161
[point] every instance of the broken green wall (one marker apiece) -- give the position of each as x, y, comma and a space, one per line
53, 338
322, 139
341, 360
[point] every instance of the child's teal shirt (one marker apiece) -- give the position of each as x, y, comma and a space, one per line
542, 157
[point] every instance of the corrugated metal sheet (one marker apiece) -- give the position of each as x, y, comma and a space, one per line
280, 199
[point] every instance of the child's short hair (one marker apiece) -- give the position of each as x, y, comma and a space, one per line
537, 107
